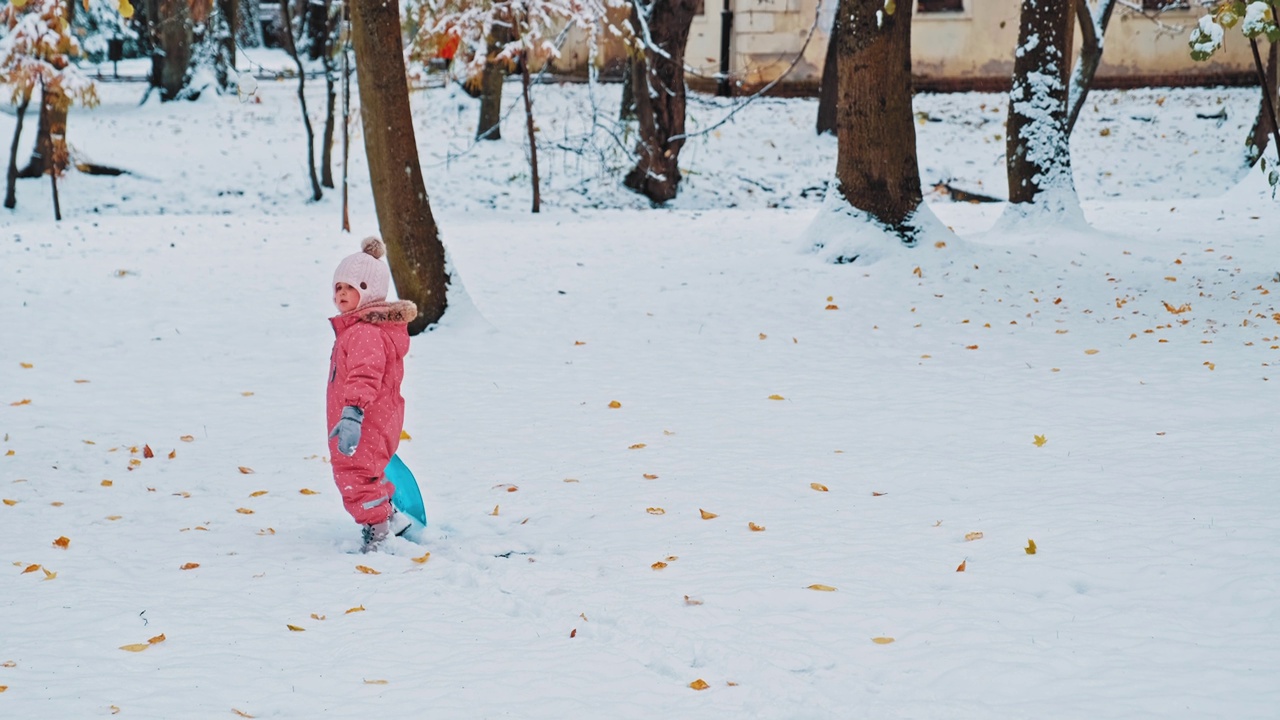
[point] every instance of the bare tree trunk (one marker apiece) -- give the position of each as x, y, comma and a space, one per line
292, 48
533, 140
11, 178
57, 205
52, 121
331, 94
491, 79
658, 85
1264, 126
175, 36
1092, 29
1037, 150
413, 242
344, 21
876, 164
829, 86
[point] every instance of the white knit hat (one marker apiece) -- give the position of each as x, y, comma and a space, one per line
366, 272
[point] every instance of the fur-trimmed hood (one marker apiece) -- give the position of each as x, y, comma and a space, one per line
399, 311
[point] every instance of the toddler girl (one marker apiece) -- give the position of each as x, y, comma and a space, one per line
363, 404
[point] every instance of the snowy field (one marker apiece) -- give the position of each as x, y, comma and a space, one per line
1110, 395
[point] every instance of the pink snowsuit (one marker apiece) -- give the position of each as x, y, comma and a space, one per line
365, 370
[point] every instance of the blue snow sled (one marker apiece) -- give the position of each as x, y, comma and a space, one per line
407, 498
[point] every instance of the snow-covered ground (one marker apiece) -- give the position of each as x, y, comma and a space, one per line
1110, 395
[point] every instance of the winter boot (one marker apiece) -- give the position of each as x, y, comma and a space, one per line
373, 535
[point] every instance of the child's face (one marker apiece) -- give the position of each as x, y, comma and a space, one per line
345, 297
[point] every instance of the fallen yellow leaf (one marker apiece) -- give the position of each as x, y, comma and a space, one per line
1031, 547
707, 515
173, 454
307, 491
247, 393
962, 565
295, 628
188, 438
650, 476
755, 528
24, 401
241, 713
971, 536
578, 342
244, 511
26, 365
257, 493
776, 397
135, 647
62, 542
655, 511
147, 452
495, 511
157, 639
1091, 351
115, 709
818, 486
48, 575
615, 404
317, 617
658, 565
264, 531
637, 446
882, 640
245, 470
113, 517
9, 453
699, 684
356, 609
375, 682
81, 382
832, 306
404, 435
571, 480
30, 569
106, 483
1039, 440
367, 570
691, 601
9, 502
422, 560
190, 566
822, 588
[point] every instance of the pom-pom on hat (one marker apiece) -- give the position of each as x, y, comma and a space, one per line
366, 272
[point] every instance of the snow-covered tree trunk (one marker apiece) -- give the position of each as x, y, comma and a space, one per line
225, 24
414, 250
876, 165
1037, 149
658, 84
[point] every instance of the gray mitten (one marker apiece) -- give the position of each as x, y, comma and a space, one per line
348, 430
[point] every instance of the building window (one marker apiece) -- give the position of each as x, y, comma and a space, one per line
939, 6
